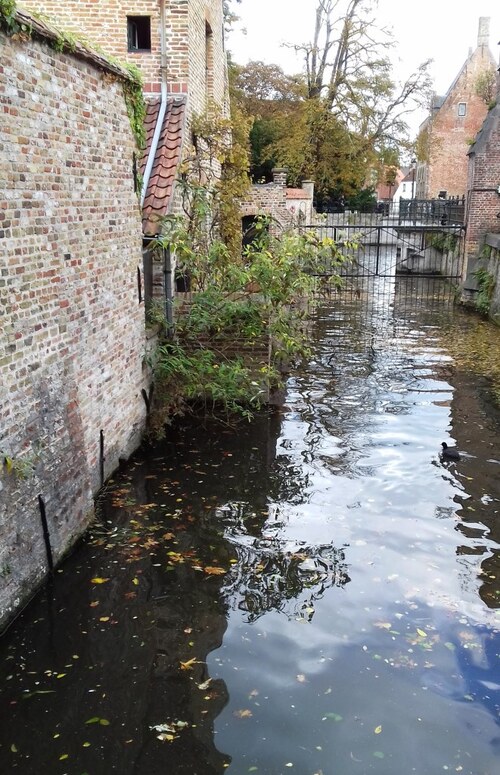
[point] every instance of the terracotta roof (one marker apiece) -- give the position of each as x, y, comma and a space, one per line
159, 194
297, 193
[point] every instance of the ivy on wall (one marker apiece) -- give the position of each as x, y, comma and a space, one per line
64, 41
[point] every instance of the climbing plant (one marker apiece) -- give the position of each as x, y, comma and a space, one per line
486, 286
65, 41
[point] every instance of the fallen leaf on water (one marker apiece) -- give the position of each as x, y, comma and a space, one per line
189, 664
378, 729
98, 580
212, 571
135, 581
301, 678
243, 713
205, 684
104, 722
422, 633
13, 748
383, 625
104, 618
332, 717
94, 604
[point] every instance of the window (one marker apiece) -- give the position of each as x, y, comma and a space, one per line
462, 108
139, 33
209, 62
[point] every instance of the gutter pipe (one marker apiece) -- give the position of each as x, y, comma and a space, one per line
163, 103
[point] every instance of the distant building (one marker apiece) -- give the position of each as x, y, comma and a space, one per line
453, 122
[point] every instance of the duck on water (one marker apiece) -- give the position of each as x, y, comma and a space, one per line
449, 453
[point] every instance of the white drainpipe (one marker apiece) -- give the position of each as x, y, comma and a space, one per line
163, 104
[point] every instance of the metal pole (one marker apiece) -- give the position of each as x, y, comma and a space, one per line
168, 288
101, 456
46, 534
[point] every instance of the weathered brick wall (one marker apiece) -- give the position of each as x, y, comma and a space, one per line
72, 331
483, 201
104, 22
450, 134
269, 199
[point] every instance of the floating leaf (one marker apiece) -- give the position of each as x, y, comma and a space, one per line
104, 722
13, 748
243, 713
212, 571
253, 769
189, 664
104, 618
301, 678
379, 755
135, 581
450, 646
63, 757
98, 580
333, 716
93, 720
422, 633
378, 729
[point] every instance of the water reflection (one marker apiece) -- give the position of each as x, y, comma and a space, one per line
314, 588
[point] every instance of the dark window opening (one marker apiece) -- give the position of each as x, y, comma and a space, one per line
139, 33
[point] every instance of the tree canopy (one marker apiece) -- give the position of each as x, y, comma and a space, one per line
345, 115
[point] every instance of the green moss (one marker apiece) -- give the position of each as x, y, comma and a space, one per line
486, 286
65, 41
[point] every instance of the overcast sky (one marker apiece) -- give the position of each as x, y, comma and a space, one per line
442, 30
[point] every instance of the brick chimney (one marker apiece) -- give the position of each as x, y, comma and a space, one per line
483, 33
279, 176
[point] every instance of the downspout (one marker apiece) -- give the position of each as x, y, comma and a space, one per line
163, 103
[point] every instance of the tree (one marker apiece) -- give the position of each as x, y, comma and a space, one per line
270, 97
349, 83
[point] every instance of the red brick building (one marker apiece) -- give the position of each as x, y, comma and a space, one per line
482, 242
178, 45
454, 120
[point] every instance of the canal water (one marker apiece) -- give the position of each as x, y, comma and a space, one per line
316, 592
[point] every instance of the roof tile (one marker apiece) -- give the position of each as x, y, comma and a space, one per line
159, 194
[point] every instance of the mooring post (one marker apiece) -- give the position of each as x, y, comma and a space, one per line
46, 534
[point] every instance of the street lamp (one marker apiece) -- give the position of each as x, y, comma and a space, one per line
413, 169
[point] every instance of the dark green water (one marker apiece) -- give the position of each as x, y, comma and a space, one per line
314, 593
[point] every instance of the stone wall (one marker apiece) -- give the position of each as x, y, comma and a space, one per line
196, 59
72, 328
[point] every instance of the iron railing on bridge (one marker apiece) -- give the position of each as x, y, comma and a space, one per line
435, 212
443, 212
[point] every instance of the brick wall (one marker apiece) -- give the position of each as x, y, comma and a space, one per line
450, 135
483, 201
104, 22
269, 199
72, 331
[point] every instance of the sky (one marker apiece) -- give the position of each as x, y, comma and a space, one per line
442, 30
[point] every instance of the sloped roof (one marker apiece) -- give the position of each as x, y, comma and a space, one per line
159, 194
